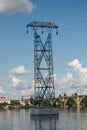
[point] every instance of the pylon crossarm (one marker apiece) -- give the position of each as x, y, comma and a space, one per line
42, 24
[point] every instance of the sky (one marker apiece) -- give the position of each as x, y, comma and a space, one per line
17, 50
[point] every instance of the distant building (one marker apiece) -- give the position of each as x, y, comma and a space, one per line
5, 100
24, 99
22, 102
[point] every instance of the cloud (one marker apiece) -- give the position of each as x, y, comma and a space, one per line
9, 7
82, 71
18, 71
1, 90
20, 84
76, 65
72, 82
27, 92
65, 81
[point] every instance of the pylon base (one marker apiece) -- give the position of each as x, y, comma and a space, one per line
36, 111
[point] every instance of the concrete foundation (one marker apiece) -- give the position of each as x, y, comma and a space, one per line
35, 111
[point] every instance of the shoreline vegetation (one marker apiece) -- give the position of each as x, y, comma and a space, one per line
17, 104
10, 107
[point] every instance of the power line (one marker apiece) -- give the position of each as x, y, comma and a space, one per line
74, 27
73, 24
73, 30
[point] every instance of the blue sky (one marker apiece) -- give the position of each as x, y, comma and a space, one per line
69, 47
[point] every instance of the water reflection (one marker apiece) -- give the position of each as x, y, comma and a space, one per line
21, 120
45, 122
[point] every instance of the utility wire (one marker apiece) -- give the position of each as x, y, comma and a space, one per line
74, 27
68, 28
73, 24
78, 29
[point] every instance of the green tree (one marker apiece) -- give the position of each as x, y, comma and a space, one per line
65, 94
71, 103
84, 102
32, 101
45, 102
75, 94
26, 105
60, 95
15, 102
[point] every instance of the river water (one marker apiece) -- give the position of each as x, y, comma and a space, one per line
21, 120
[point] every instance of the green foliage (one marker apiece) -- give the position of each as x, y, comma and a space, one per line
26, 105
32, 101
15, 102
10, 107
3, 105
65, 94
75, 94
45, 102
84, 102
71, 103
60, 95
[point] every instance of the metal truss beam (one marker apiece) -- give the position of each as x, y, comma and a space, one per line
43, 62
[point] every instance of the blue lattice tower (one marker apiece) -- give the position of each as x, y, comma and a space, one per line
43, 62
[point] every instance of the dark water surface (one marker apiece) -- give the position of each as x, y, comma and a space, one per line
21, 120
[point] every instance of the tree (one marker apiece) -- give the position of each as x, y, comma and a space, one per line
32, 101
59, 95
65, 95
26, 105
15, 102
75, 94
71, 103
45, 102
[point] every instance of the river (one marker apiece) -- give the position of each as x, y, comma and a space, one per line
21, 120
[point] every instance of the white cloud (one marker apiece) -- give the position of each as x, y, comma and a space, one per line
65, 81
20, 84
1, 90
64, 84
27, 92
18, 71
72, 82
68, 83
68, 79
9, 7
77, 66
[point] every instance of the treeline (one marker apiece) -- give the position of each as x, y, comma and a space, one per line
16, 104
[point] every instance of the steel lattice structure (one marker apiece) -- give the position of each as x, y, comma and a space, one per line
43, 62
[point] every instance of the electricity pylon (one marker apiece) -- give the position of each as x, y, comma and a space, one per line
43, 61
